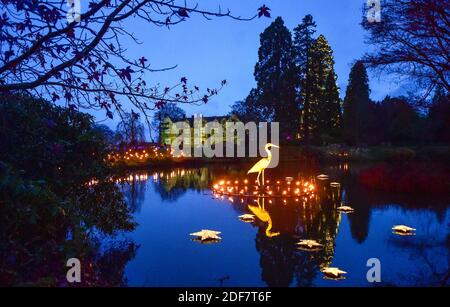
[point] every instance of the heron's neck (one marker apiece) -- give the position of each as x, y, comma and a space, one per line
269, 154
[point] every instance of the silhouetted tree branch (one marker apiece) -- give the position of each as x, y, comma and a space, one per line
84, 61
413, 39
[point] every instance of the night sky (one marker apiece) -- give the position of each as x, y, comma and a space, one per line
208, 51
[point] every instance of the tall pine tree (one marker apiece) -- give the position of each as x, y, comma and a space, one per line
276, 78
357, 106
303, 39
331, 114
324, 102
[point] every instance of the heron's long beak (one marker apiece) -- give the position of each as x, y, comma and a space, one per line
275, 146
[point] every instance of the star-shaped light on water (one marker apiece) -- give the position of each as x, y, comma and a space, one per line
309, 244
345, 209
335, 184
403, 230
322, 177
207, 235
247, 218
333, 273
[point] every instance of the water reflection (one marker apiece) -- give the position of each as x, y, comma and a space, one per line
280, 222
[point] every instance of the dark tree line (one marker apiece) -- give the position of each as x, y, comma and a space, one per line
394, 120
296, 82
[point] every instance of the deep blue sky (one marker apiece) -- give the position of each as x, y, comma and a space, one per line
209, 51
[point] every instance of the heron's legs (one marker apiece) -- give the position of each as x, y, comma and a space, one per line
263, 182
257, 179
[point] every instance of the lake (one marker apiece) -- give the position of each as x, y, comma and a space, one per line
169, 204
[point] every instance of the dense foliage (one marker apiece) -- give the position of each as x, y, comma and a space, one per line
276, 79
49, 212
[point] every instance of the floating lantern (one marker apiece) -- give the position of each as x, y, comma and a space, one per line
335, 184
403, 230
322, 177
333, 273
248, 218
207, 235
310, 245
345, 209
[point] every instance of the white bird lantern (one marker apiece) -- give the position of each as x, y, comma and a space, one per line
262, 164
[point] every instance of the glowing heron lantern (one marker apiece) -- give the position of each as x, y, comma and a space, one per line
262, 164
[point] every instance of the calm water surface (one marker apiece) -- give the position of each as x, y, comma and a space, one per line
169, 204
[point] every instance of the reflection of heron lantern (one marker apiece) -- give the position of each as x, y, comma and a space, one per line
262, 164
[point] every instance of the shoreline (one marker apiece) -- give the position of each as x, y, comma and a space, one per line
302, 153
